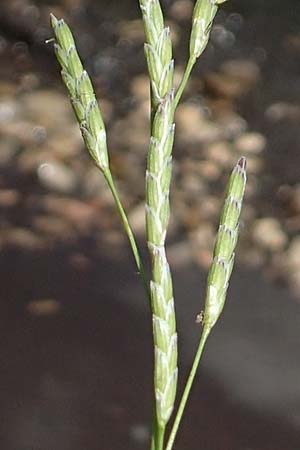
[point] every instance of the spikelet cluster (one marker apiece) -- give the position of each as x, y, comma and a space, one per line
158, 51
203, 16
81, 93
223, 257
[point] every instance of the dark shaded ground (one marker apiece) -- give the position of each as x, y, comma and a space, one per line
80, 379
74, 340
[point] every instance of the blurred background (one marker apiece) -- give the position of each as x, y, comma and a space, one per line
75, 335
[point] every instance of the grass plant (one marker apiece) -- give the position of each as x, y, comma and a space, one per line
164, 100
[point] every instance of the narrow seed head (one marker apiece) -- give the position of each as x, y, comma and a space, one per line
225, 242
223, 259
81, 93
153, 19
199, 37
203, 16
158, 53
62, 32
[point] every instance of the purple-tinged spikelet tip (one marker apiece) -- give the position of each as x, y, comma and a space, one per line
242, 163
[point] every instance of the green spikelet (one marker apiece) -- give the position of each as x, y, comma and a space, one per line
203, 16
223, 257
81, 93
158, 51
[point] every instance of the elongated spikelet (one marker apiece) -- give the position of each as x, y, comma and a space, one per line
158, 52
203, 16
81, 93
223, 257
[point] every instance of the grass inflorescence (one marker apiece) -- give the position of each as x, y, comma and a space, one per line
164, 100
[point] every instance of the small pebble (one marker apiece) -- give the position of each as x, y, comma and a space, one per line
9, 198
283, 111
293, 254
57, 177
94, 184
221, 153
55, 228
139, 433
209, 170
245, 70
293, 265
131, 30
193, 126
9, 110
140, 87
232, 125
43, 307
253, 143
47, 108
22, 238
8, 150
268, 234
182, 10
295, 199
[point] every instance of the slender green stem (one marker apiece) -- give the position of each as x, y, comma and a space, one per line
185, 78
157, 437
160, 437
128, 230
154, 430
153, 441
187, 389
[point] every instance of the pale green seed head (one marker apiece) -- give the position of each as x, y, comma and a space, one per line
93, 118
217, 275
69, 82
74, 63
225, 242
203, 15
62, 32
160, 65
61, 57
153, 19
81, 92
230, 212
162, 125
199, 37
237, 181
221, 268
84, 89
164, 46
154, 63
